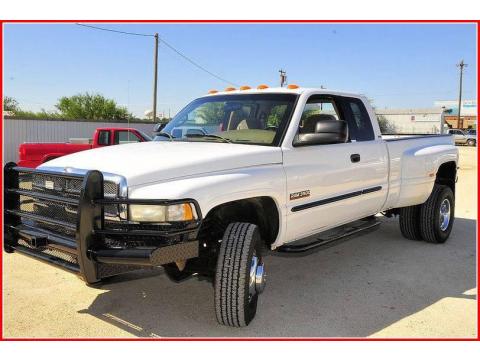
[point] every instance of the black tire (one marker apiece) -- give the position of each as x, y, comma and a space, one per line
7, 240
430, 226
234, 305
410, 222
471, 142
8, 249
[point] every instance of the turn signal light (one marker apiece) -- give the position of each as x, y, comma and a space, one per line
230, 89
213, 91
292, 86
245, 87
261, 87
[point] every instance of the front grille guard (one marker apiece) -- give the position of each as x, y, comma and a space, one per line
90, 229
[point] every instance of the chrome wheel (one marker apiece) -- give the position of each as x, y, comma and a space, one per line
257, 277
444, 214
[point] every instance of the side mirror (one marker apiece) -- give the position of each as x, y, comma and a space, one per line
325, 132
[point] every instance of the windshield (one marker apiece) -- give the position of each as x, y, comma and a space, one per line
258, 119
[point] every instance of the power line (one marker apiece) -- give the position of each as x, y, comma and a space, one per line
115, 31
170, 46
196, 64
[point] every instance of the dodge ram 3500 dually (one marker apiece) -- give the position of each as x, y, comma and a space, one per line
235, 175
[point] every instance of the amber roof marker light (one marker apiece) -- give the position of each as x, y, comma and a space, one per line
213, 91
262, 86
245, 87
230, 89
292, 86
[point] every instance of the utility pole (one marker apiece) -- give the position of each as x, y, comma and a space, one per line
442, 119
461, 66
283, 77
155, 74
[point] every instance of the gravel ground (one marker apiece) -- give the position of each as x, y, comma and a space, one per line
379, 284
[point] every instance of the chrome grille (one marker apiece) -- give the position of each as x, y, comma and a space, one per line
64, 186
68, 187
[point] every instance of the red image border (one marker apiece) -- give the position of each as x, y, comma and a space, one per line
2, 22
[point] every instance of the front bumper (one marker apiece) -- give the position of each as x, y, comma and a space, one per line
89, 244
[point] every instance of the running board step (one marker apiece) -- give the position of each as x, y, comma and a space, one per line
329, 237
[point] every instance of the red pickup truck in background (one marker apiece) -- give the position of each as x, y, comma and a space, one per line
33, 154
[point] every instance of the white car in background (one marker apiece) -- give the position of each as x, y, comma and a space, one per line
462, 137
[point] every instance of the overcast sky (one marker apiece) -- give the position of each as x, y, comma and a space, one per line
397, 65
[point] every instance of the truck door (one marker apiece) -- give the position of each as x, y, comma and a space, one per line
332, 184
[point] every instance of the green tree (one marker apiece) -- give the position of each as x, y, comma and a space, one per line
276, 115
209, 113
10, 104
91, 107
40, 115
386, 127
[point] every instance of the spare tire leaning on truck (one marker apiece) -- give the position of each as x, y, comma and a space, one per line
431, 221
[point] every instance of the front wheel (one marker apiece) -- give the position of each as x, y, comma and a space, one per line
471, 142
437, 215
240, 275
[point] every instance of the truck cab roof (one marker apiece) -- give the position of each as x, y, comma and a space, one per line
115, 128
284, 90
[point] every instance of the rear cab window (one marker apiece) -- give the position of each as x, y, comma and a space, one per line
104, 137
358, 119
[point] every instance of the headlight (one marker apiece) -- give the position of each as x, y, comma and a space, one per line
161, 213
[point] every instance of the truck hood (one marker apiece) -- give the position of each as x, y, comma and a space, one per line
149, 162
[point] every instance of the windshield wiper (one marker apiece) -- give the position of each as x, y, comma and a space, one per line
165, 135
212, 136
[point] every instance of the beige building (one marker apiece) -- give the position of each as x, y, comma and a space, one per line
411, 121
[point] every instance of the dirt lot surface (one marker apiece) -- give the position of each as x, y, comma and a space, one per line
379, 285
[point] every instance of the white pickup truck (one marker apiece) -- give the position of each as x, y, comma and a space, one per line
235, 175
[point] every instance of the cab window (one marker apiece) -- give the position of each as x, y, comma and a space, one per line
325, 107
317, 108
359, 122
125, 137
104, 137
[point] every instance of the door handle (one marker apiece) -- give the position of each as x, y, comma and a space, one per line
354, 158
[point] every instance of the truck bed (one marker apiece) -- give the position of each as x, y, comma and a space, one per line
413, 162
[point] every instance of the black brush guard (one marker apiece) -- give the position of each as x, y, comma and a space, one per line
87, 253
